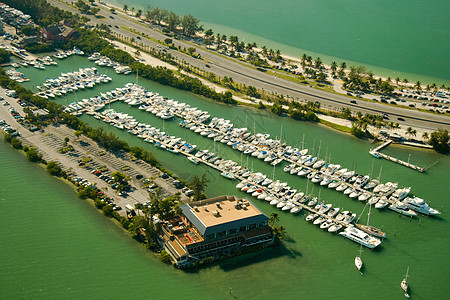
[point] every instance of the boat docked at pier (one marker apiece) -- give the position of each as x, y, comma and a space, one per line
360, 237
418, 204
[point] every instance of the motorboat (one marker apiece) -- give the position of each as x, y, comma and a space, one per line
313, 201
360, 237
334, 228
334, 184
333, 211
341, 187
355, 194
326, 181
402, 208
364, 196
327, 224
288, 206
296, 209
382, 203
325, 208
317, 178
319, 220
318, 164
288, 168
373, 200
348, 190
371, 184
311, 217
402, 193
419, 205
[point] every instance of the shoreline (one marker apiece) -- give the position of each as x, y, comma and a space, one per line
338, 122
379, 71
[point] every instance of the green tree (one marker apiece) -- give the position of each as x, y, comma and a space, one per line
54, 169
4, 56
333, 67
16, 144
439, 140
209, 33
172, 20
190, 25
33, 155
274, 218
198, 185
28, 30
318, 62
191, 50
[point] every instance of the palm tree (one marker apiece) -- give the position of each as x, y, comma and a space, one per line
405, 80
408, 131
343, 65
318, 62
280, 231
397, 80
333, 66
274, 218
425, 135
264, 50
418, 86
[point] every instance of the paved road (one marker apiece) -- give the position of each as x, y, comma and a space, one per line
224, 66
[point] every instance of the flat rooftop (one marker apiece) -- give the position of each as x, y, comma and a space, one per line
222, 213
226, 210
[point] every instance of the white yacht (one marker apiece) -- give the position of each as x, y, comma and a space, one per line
401, 208
360, 237
419, 205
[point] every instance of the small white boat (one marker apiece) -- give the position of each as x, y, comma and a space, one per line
296, 209
335, 228
404, 284
358, 261
311, 217
193, 159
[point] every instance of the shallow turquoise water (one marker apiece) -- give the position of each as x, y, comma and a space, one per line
393, 38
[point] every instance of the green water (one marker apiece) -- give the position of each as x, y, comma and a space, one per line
393, 38
55, 245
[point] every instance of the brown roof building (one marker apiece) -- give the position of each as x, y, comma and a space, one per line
58, 34
213, 228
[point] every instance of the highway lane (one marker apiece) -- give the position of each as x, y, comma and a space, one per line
224, 66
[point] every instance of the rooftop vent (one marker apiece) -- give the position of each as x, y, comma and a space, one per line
196, 208
205, 208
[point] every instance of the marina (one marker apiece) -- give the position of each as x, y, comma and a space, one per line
254, 183
257, 145
335, 258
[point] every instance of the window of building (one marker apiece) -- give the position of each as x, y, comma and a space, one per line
232, 231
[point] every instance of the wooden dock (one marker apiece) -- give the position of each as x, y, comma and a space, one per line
375, 152
401, 162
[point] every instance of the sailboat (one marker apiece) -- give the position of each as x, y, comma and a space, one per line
370, 229
404, 284
358, 261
